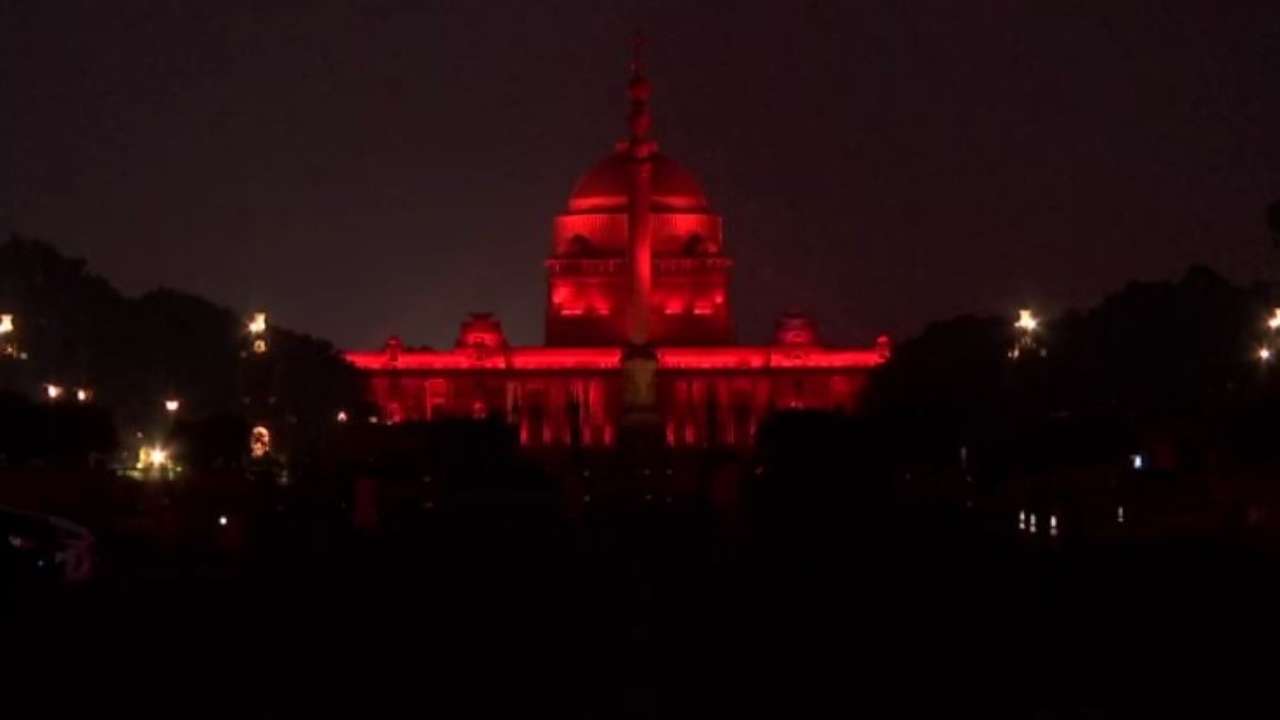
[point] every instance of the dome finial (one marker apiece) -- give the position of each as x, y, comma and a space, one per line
639, 90
637, 45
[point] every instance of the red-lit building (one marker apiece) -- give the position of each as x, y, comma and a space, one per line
638, 268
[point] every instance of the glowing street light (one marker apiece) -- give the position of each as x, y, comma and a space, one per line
1027, 321
53, 392
159, 456
1264, 354
258, 324
8, 348
259, 442
1026, 324
342, 416
153, 457
172, 405
258, 330
84, 395
1273, 322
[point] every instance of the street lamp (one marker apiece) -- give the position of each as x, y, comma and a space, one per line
258, 324
171, 405
83, 395
1264, 354
259, 442
1027, 321
1273, 322
7, 345
53, 392
153, 457
258, 330
1026, 325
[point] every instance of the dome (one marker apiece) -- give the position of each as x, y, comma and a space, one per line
604, 188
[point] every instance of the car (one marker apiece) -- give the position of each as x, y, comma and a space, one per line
35, 547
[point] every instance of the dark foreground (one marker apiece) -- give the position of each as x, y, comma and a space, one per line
652, 610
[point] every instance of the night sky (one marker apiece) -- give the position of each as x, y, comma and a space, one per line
363, 168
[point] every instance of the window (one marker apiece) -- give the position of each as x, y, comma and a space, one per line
437, 398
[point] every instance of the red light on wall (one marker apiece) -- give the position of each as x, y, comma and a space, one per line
609, 358
702, 308
571, 310
550, 358
673, 307
712, 358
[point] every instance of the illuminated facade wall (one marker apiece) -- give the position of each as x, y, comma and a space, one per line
571, 397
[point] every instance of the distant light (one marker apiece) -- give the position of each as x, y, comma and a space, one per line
1264, 354
373, 419
1022, 519
1136, 461
1027, 321
6, 323
83, 394
259, 346
152, 457
258, 324
222, 520
1273, 322
342, 416
1119, 514
171, 405
1053, 525
259, 441
53, 391
1032, 525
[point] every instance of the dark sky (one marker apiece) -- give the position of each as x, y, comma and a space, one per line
360, 168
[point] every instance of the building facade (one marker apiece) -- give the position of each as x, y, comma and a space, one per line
638, 268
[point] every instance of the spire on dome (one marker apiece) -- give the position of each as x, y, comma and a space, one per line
639, 120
